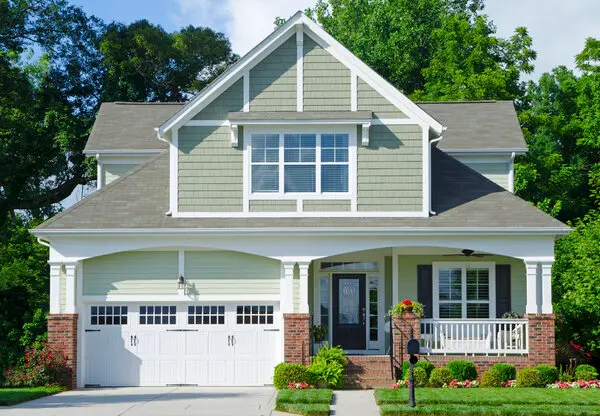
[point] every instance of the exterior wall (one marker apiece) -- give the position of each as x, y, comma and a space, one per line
114, 171
273, 80
62, 337
230, 100
131, 273
407, 276
273, 206
326, 206
326, 80
367, 99
231, 273
210, 171
296, 338
495, 172
390, 170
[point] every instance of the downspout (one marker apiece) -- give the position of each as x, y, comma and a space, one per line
42, 242
511, 173
167, 141
431, 212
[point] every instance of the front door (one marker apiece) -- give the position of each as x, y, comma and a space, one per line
349, 311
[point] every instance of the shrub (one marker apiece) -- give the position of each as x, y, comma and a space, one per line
529, 377
548, 373
420, 375
505, 371
439, 377
42, 366
286, 373
462, 370
332, 354
586, 372
491, 378
331, 373
425, 365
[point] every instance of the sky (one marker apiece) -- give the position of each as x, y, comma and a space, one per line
558, 27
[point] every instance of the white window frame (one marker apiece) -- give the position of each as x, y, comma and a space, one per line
350, 130
491, 266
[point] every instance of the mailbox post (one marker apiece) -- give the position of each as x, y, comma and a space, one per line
412, 348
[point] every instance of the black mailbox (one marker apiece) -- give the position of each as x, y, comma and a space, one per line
412, 346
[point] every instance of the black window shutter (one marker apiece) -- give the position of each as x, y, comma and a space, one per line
425, 288
502, 289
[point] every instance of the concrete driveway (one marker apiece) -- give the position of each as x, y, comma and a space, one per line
150, 401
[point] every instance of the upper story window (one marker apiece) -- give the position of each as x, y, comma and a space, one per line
300, 163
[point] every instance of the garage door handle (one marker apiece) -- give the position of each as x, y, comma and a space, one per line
92, 330
131, 340
229, 340
271, 330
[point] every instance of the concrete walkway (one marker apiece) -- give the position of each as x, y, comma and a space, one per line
151, 401
354, 402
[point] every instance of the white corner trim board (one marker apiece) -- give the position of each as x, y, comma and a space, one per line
299, 68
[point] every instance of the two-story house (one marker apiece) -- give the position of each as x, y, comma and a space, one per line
299, 188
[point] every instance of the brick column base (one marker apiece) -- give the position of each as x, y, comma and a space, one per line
542, 345
296, 338
401, 334
62, 337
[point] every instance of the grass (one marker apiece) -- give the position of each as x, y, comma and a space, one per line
12, 396
304, 402
490, 402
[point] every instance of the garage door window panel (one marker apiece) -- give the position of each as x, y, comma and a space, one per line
158, 315
254, 314
206, 315
108, 315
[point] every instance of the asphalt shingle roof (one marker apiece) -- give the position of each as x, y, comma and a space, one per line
461, 198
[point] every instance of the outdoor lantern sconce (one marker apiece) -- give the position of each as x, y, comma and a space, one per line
181, 285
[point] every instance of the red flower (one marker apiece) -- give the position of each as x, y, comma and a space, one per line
7, 371
406, 302
588, 355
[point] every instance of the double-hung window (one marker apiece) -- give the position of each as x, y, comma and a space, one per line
291, 163
464, 291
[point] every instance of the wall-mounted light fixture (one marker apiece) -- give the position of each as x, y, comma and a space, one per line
180, 283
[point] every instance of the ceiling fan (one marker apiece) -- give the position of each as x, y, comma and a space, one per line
468, 253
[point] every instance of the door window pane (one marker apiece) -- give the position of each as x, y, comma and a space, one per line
349, 313
324, 292
373, 309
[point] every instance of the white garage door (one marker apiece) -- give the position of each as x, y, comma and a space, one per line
156, 345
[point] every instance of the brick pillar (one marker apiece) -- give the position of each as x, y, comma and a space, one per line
542, 346
62, 337
401, 334
296, 338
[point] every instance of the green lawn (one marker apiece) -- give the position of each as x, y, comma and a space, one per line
9, 397
304, 402
496, 402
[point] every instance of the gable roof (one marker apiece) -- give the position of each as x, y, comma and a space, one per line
462, 198
282, 33
475, 125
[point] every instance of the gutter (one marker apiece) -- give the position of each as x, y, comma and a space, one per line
431, 212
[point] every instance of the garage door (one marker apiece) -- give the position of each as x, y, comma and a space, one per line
157, 345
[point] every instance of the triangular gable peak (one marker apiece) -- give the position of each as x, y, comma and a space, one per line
313, 45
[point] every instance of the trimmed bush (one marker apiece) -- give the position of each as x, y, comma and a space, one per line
548, 373
331, 373
491, 378
586, 372
420, 375
286, 373
462, 370
505, 371
439, 377
425, 365
529, 377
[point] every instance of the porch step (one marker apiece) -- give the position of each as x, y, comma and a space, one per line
368, 371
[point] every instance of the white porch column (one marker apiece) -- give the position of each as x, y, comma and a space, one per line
287, 287
71, 295
547, 286
532, 281
55, 288
395, 294
303, 267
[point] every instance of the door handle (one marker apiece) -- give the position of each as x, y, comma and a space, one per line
229, 340
135, 340
131, 340
364, 315
232, 341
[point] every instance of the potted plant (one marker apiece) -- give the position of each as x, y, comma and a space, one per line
405, 307
319, 333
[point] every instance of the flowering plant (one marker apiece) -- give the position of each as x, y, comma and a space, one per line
581, 384
467, 384
400, 384
298, 386
407, 305
511, 315
42, 366
510, 383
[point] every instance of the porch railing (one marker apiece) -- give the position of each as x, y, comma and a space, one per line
471, 336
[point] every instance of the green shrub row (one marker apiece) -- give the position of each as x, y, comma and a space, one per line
327, 368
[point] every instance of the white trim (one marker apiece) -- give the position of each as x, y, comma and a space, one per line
206, 123
174, 173
180, 263
345, 214
395, 278
426, 170
482, 152
182, 298
55, 288
511, 173
464, 265
395, 122
546, 287
99, 173
353, 91
71, 296
365, 134
287, 287
303, 275
124, 152
246, 93
295, 122
531, 268
299, 68
234, 135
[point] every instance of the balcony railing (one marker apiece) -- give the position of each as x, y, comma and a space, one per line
470, 336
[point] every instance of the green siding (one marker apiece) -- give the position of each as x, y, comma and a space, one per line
210, 171
63, 289
326, 206
230, 100
390, 170
273, 80
367, 99
131, 273
495, 172
407, 276
114, 171
296, 300
231, 273
275, 205
326, 80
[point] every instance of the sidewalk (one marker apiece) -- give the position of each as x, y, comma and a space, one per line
354, 402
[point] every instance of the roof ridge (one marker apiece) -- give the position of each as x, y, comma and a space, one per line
102, 190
